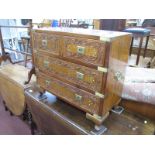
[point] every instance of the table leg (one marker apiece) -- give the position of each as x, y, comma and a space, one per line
131, 46
147, 40
139, 50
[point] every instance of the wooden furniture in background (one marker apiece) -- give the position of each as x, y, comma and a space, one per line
26, 45
96, 23
83, 67
1, 43
140, 108
138, 91
139, 33
112, 24
12, 78
25, 53
53, 116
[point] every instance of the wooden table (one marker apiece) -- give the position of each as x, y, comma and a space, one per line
53, 116
12, 78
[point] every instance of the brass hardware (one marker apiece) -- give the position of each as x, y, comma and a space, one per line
99, 94
44, 43
46, 63
98, 120
47, 82
102, 69
78, 97
80, 50
79, 75
118, 76
105, 39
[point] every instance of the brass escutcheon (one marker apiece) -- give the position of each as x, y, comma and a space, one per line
78, 97
80, 50
44, 43
79, 75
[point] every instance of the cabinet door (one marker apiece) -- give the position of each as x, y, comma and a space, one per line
87, 51
79, 75
48, 44
77, 97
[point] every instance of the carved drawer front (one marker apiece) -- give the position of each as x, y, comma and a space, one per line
84, 50
77, 74
46, 43
77, 97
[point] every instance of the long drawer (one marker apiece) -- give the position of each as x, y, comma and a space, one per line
79, 75
87, 51
77, 97
48, 44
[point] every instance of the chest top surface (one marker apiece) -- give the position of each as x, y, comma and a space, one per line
89, 33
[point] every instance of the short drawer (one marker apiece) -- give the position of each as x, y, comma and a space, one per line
84, 50
77, 97
82, 76
46, 43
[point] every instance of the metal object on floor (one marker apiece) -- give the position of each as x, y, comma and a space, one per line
117, 110
99, 130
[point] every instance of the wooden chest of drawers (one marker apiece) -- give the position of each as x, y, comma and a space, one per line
83, 67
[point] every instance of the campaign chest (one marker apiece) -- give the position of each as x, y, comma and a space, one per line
83, 67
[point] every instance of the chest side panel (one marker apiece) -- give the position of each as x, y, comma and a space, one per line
118, 59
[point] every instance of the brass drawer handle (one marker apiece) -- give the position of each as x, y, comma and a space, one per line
47, 82
79, 75
80, 50
44, 43
46, 63
78, 97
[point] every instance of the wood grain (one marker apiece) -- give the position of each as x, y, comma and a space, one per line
88, 102
144, 109
118, 57
82, 51
46, 43
12, 78
53, 116
91, 78
93, 53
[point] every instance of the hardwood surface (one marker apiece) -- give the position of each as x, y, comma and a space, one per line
12, 78
77, 97
83, 67
117, 67
70, 72
144, 109
84, 33
53, 116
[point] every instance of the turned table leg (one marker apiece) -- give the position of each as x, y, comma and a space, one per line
139, 51
32, 71
6, 109
145, 49
33, 126
11, 114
